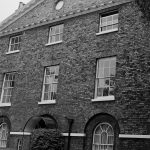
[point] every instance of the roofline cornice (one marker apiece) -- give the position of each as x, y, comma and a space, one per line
92, 9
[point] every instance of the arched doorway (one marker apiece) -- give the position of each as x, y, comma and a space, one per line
102, 131
43, 121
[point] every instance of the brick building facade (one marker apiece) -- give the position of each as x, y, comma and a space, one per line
84, 60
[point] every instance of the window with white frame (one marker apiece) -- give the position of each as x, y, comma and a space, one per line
56, 34
3, 135
50, 83
105, 74
108, 22
103, 137
8, 85
14, 44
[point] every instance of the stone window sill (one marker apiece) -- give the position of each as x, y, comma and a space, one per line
47, 102
48, 44
108, 31
12, 52
5, 104
104, 98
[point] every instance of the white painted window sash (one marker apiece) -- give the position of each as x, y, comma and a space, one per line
54, 34
7, 88
13, 44
101, 69
108, 23
51, 84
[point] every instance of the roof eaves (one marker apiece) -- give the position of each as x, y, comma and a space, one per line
76, 13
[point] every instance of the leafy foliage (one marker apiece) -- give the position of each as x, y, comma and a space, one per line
46, 139
144, 7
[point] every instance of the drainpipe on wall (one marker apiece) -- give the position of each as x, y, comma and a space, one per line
70, 122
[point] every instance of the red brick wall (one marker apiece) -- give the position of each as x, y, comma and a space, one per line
77, 59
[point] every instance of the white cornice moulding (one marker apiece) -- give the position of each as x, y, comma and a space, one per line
134, 136
20, 133
74, 134
63, 134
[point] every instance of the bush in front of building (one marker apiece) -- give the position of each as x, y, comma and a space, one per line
46, 139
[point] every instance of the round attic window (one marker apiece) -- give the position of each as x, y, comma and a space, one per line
59, 4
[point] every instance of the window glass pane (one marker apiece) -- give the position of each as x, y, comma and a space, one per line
110, 147
5, 92
106, 91
112, 82
98, 130
54, 87
12, 40
96, 147
110, 131
110, 27
53, 95
106, 63
4, 99
19, 39
61, 28
16, 39
100, 70
11, 47
106, 72
46, 88
113, 63
3, 134
104, 138
19, 46
110, 140
48, 79
52, 39
96, 139
16, 47
52, 31
111, 91
7, 100
57, 38
112, 72
103, 28
9, 91
47, 71
107, 80
45, 96
60, 37
57, 30
101, 82
103, 21
115, 26
99, 92
115, 17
